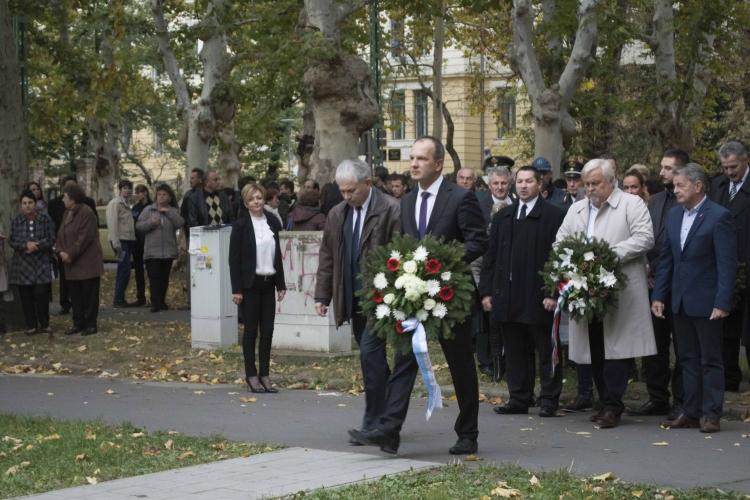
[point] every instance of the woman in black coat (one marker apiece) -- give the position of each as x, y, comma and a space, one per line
257, 277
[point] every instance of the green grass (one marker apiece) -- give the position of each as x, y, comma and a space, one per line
63, 454
456, 482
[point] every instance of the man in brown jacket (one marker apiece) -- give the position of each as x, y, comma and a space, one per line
365, 219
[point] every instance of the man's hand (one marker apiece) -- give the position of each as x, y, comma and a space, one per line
281, 295
237, 298
65, 257
719, 314
321, 309
650, 282
118, 250
657, 309
487, 303
550, 304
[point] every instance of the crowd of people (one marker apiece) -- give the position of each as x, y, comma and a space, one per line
679, 237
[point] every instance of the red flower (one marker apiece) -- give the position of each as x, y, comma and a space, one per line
394, 264
377, 297
446, 293
399, 328
432, 266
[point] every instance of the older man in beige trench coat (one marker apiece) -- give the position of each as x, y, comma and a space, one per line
607, 343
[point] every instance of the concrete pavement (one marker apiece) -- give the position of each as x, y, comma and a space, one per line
319, 420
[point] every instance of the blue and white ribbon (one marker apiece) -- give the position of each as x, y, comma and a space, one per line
419, 346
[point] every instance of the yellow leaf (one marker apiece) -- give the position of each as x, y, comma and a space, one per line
245, 454
92, 480
169, 445
90, 435
178, 361
638, 494
248, 400
81, 348
708, 437
31, 447
587, 84
195, 378
49, 438
114, 348
472, 458
534, 481
56, 366
604, 477
16, 440
50, 394
453, 398
172, 432
342, 405
198, 392
163, 370
505, 492
82, 456
664, 443
137, 435
185, 455
110, 391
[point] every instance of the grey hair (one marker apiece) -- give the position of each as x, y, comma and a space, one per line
693, 173
354, 169
733, 148
607, 169
472, 171
501, 171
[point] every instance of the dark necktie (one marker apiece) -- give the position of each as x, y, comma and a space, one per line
423, 215
733, 192
355, 247
523, 212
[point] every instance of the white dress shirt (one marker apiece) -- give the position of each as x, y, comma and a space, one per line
362, 213
592, 218
507, 200
433, 190
739, 184
688, 217
529, 207
265, 247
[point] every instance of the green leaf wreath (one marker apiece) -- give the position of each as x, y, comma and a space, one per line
589, 275
425, 279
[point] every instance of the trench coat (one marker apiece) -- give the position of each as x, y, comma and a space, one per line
624, 222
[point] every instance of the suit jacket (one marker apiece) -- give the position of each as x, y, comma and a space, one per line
79, 238
623, 221
456, 215
540, 229
198, 209
658, 207
701, 276
740, 210
334, 283
242, 256
56, 209
487, 202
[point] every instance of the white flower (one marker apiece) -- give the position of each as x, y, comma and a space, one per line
396, 255
568, 251
414, 288
420, 254
446, 276
399, 315
399, 284
439, 311
556, 265
577, 280
380, 281
579, 304
564, 260
389, 297
552, 275
588, 256
607, 278
429, 304
422, 315
433, 287
410, 267
382, 311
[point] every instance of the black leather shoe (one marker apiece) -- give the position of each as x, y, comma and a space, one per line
354, 442
508, 409
675, 411
578, 406
89, 331
64, 311
155, 309
164, 307
376, 437
594, 418
464, 446
548, 411
497, 369
649, 410
73, 331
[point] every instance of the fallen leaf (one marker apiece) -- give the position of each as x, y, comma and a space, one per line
178, 361
638, 494
583, 433
664, 443
110, 391
233, 393
248, 400
114, 348
534, 481
48, 438
245, 454
56, 366
604, 477
198, 392
342, 405
453, 398
82, 456
137, 435
92, 480
31, 447
16, 440
527, 429
169, 445
50, 394
14, 470
195, 378
172, 432
505, 492
90, 435
472, 458
298, 385
709, 437
597, 489
81, 348
185, 455
219, 446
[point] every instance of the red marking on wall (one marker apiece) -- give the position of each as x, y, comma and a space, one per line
312, 249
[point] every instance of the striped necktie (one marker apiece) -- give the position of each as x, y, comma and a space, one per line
733, 192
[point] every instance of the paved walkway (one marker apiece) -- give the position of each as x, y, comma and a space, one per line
319, 420
266, 475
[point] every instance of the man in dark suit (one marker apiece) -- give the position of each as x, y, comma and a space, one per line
697, 264
511, 287
731, 191
56, 210
442, 209
210, 206
367, 218
655, 368
500, 182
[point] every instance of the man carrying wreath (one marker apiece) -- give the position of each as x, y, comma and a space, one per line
446, 210
623, 221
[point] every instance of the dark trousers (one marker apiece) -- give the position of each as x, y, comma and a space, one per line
518, 340
375, 370
496, 343
64, 292
84, 295
258, 309
700, 341
655, 369
610, 375
140, 278
35, 304
585, 382
732, 330
463, 371
123, 270
158, 280
481, 326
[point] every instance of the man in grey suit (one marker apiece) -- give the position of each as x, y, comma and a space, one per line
655, 368
500, 182
446, 210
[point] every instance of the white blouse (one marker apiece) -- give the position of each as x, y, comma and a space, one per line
265, 246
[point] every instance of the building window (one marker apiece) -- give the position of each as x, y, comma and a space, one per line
506, 113
398, 115
420, 114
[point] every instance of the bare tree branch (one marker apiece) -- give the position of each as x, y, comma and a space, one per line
137, 162
522, 55
348, 9
580, 57
170, 62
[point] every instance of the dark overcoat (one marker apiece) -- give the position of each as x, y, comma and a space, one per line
31, 268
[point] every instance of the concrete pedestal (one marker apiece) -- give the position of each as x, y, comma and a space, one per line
297, 325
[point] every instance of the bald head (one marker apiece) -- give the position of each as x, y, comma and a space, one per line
466, 178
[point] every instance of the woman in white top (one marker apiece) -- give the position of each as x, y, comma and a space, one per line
257, 277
